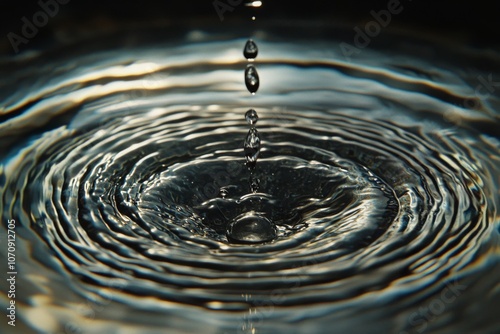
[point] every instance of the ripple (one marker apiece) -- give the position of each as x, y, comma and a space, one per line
129, 178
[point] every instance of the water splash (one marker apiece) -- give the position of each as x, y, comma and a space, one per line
251, 228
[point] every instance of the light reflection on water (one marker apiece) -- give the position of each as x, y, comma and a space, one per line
381, 178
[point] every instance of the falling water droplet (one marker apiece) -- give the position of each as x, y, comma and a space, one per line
254, 4
251, 116
252, 146
251, 79
250, 51
251, 228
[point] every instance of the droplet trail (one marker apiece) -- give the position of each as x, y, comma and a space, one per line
251, 79
254, 184
251, 117
250, 51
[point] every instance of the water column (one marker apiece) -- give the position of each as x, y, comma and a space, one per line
251, 227
252, 140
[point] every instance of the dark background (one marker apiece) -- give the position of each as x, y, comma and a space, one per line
479, 20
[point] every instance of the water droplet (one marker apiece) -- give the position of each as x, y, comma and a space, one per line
223, 191
254, 4
250, 229
251, 79
250, 51
252, 146
251, 117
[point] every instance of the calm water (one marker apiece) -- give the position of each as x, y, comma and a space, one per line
373, 202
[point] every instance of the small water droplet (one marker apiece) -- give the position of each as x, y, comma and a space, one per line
251, 116
250, 51
250, 229
252, 146
251, 79
254, 4
223, 191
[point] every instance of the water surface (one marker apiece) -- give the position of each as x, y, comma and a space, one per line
375, 209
